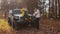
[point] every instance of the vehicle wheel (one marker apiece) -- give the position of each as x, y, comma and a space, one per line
15, 26
9, 22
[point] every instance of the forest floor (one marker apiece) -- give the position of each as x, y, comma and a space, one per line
47, 26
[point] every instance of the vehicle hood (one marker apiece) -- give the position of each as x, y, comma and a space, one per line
20, 15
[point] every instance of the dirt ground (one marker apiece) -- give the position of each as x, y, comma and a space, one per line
47, 26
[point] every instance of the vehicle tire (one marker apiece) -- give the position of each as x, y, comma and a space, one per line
9, 22
15, 26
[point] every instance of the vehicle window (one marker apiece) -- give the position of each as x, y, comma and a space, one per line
17, 12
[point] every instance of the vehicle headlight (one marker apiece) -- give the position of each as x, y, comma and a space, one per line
16, 17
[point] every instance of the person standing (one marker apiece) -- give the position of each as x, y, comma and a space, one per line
36, 14
24, 12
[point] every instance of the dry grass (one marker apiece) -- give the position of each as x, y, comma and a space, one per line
4, 26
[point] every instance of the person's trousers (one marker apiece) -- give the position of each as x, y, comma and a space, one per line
37, 21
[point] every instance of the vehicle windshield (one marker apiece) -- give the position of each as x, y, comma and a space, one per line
17, 12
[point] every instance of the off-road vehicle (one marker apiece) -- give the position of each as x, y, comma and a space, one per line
15, 18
